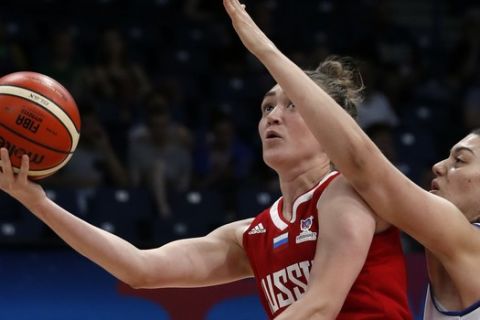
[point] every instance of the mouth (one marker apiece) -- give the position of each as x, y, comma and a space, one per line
272, 135
434, 186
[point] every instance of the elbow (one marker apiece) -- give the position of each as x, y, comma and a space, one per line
321, 310
135, 282
137, 278
326, 312
140, 281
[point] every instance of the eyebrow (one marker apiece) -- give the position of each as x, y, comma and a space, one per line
458, 149
269, 94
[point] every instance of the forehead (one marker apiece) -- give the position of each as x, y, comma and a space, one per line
472, 142
276, 91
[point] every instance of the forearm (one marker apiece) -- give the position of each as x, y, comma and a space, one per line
112, 253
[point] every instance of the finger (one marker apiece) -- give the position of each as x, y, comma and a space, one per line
237, 5
6, 165
23, 173
233, 6
228, 7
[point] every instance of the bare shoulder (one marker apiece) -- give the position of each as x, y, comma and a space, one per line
232, 231
340, 203
341, 193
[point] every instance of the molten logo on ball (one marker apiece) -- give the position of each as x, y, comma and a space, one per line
39, 99
17, 152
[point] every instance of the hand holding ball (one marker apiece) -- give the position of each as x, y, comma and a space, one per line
38, 117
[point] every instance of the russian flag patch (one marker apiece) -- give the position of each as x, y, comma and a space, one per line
280, 240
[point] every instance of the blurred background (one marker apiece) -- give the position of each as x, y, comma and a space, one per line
170, 102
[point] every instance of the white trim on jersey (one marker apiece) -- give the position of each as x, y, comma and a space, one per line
303, 198
274, 211
435, 311
307, 196
277, 221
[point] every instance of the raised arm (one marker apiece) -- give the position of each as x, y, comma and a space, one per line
215, 258
393, 196
346, 229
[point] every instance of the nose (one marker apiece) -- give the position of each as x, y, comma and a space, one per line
439, 168
274, 116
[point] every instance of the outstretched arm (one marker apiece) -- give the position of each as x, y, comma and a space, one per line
393, 196
215, 258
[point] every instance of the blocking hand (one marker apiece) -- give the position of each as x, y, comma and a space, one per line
250, 34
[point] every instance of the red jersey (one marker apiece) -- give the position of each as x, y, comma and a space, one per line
281, 255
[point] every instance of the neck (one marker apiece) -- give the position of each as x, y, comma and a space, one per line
294, 186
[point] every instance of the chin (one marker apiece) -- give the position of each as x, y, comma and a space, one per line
273, 160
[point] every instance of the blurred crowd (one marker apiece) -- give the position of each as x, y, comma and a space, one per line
170, 100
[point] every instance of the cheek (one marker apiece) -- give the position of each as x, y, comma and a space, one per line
261, 125
468, 183
305, 140
305, 136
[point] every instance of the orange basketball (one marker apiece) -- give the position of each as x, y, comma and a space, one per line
39, 117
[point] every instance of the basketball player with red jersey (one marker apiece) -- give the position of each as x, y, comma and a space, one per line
318, 253
282, 254
318, 248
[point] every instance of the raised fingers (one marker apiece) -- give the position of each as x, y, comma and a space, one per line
25, 166
237, 5
6, 164
233, 6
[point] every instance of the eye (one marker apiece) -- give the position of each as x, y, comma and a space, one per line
459, 160
267, 108
290, 105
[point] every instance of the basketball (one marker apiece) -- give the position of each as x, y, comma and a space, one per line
40, 118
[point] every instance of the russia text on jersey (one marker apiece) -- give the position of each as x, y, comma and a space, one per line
276, 285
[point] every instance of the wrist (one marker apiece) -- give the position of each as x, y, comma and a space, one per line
267, 52
36, 204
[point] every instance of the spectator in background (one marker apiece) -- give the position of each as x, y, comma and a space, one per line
159, 156
376, 107
224, 162
471, 109
201, 11
395, 50
60, 61
383, 137
94, 162
464, 64
116, 76
119, 84
12, 55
